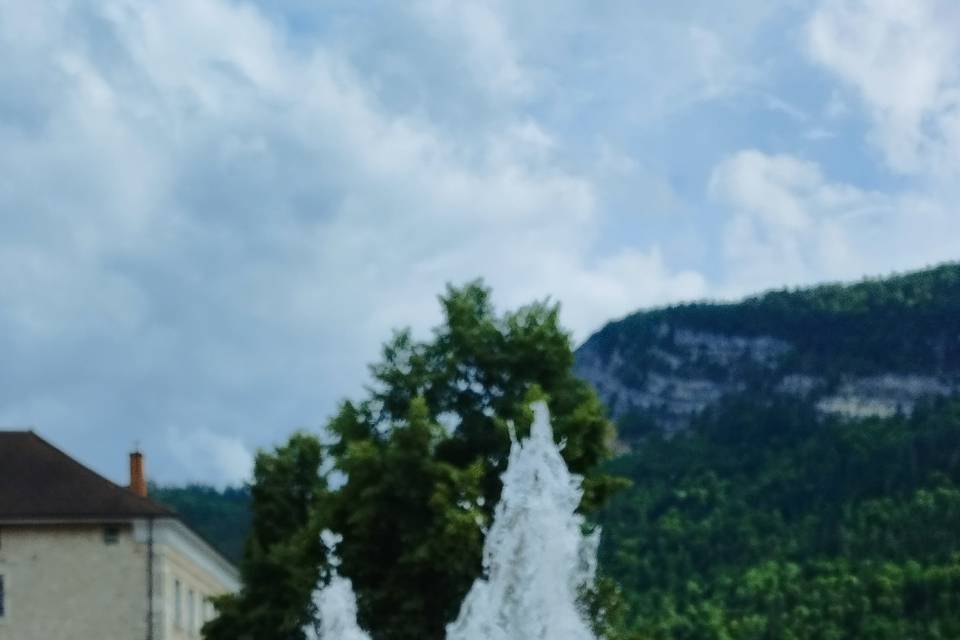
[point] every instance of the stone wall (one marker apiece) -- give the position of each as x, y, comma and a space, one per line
65, 582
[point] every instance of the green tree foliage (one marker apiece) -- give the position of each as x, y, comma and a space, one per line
411, 526
418, 465
766, 522
284, 557
477, 371
221, 517
424, 452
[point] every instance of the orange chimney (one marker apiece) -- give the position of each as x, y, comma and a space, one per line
138, 480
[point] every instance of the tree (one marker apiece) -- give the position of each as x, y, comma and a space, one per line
423, 454
411, 526
765, 521
284, 557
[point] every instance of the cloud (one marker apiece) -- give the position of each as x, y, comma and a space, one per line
477, 29
903, 60
789, 224
212, 457
211, 222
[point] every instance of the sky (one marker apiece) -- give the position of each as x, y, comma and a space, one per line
213, 212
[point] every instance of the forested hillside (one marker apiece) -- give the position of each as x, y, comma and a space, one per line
867, 349
795, 460
767, 521
220, 516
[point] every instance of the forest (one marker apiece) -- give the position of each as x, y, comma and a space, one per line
766, 521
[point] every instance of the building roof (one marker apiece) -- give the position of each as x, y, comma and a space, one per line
38, 481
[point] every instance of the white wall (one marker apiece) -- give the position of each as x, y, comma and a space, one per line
185, 559
63, 582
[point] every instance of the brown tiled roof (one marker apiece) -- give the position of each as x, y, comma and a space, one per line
38, 481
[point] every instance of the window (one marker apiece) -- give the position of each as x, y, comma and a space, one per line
3, 602
191, 612
111, 534
177, 606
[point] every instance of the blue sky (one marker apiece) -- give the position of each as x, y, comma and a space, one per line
213, 212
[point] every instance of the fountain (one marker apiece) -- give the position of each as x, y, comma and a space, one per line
536, 557
335, 604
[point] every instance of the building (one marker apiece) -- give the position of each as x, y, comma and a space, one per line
82, 558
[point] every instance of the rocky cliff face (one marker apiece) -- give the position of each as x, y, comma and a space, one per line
849, 350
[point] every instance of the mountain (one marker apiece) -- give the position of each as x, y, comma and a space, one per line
795, 463
874, 348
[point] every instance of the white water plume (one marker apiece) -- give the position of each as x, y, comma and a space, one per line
536, 557
335, 604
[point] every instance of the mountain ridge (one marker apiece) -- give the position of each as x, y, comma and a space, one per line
871, 348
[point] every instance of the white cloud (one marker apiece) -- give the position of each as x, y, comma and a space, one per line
209, 221
903, 59
790, 224
817, 134
477, 29
205, 456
